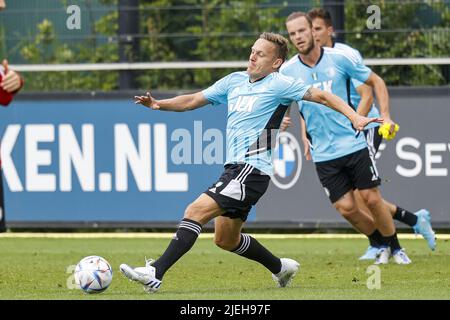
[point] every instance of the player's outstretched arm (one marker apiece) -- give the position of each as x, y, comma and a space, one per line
334, 102
365, 104
382, 95
179, 103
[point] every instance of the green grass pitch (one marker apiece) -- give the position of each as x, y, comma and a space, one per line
39, 268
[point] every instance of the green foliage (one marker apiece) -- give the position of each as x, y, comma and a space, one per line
47, 49
209, 31
2, 42
224, 30
155, 47
230, 32
416, 30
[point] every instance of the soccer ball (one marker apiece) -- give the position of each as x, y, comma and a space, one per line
93, 274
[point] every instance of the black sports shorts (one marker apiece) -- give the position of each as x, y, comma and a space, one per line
353, 171
239, 188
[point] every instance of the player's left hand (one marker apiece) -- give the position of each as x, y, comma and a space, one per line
11, 82
360, 122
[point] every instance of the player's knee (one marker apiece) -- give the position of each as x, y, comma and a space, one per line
347, 209
194, 212
372, 199
226, 243
372, 203
348, 212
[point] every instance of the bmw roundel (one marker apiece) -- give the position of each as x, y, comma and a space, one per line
287, 161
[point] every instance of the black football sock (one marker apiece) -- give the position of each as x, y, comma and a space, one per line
376, 238
250, 248
405, 216
183, 240
384, 241
393, 242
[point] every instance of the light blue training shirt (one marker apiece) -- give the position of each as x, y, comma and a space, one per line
255, 111
354, 95
330, 133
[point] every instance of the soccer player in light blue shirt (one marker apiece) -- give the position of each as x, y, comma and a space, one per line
361, 98
253, 109
341, 157
257, 100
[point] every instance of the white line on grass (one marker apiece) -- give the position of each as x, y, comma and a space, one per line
143, 235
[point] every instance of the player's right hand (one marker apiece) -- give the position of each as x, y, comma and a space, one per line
147, 101
389, 124
285, 123
385, 131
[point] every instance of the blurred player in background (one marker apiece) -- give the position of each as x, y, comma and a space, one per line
257, 101
340, 154
362, 98
10, 84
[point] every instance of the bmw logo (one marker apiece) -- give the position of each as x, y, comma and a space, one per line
287, 161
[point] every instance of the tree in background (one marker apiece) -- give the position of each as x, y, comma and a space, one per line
192, 30
223, 30
415, 30
46, 48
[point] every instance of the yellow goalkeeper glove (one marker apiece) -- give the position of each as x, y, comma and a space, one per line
383, 130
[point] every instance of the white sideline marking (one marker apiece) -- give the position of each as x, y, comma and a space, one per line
152, 235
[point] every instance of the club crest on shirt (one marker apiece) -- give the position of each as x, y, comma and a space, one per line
331, 72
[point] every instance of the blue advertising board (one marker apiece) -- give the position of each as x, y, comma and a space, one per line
107, 160
104, 159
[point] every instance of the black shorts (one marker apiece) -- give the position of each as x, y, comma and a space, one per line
353, 171
373, 139
239, 188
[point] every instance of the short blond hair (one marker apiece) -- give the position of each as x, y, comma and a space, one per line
280, 42
298, 14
